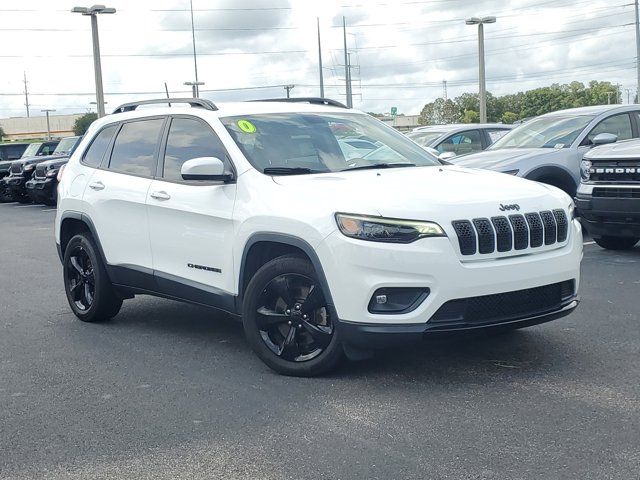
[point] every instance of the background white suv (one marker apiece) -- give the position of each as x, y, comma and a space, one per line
263, 210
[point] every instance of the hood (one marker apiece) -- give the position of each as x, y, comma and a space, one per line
55, 162
504, 159
36, 160
628, 149
440, 194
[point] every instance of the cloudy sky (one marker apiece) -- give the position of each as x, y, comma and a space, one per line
401, 51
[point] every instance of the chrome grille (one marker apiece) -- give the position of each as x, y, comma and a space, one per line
518, 232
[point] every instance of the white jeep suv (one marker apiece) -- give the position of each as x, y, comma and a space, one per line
269, 211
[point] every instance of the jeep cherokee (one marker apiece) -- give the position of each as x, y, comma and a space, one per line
260, 209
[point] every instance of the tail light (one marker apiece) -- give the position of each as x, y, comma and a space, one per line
60, 172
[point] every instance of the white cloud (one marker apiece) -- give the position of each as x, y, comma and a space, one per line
403, 49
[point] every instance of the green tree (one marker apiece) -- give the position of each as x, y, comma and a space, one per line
2, 134
509, 117
82, 123
470, 102
439, 112
471, 116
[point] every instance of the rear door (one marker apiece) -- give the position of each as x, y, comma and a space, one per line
190, 222
461, 143
117, 192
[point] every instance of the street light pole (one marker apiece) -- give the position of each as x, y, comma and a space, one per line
194, 87
637, 19
93, 12
46, 111
481, 73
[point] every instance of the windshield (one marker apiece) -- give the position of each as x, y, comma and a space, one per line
424, 139
65, 145
286, 143
544, 132
31, 150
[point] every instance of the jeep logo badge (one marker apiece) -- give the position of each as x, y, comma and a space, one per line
513, 206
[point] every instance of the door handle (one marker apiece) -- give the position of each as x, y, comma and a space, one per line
161, 195
96, 185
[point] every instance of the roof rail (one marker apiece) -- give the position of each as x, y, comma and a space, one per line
194, 102
312, 100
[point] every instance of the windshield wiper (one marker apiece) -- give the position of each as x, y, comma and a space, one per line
288, 171
379, 165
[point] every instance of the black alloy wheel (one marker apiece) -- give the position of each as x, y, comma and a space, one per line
90, 293
288, 321
80, 278
293, 318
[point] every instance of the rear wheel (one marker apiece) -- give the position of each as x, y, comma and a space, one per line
5, 193
89, 291
287, 321
616, 243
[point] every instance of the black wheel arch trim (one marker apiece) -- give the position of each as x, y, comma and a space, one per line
292, 241
553, 172
84, 218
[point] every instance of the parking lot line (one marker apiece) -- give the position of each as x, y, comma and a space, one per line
49, 210
10, 203
28, 206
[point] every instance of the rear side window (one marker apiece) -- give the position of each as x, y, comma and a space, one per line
48, 149
496, 134
135, 147
189, 138
461, 143
95, 152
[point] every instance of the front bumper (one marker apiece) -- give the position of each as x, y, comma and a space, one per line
41, 188
16, 184
376, 336
602, 216
355, 270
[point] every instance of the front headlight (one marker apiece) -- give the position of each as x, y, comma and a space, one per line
52, 173
28, 168
572, 210
585, 170
391, 230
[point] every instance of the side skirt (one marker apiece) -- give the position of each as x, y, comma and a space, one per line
132, 280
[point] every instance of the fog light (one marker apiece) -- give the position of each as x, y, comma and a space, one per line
394, 300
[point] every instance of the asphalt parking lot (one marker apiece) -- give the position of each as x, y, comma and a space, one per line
168, 390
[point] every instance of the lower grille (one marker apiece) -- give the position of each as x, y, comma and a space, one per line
616, 192
16, 168
504, 307
518, 232
41, 172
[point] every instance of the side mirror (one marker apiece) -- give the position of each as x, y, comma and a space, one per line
205, 168
604, 138
446, 156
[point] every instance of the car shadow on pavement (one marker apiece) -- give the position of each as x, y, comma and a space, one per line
538, 350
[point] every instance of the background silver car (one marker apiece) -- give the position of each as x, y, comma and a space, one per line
549, 148
458, 139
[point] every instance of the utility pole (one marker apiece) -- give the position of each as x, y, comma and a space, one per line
637, 50
288, 88
195, 62
320, 60
47, 110
444, 90
26, 93
628, 90
609, 97
618, 92
347, 66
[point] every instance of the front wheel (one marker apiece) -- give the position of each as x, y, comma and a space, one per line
616, 243
89, 291
287, 321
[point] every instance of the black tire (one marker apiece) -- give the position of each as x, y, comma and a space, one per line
24, 198
51, 200
5, 193
616, 243
281, 292
89, 291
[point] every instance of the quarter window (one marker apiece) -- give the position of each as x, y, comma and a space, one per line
496, 134
189, 138
97, 149
135, 146
619, 125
